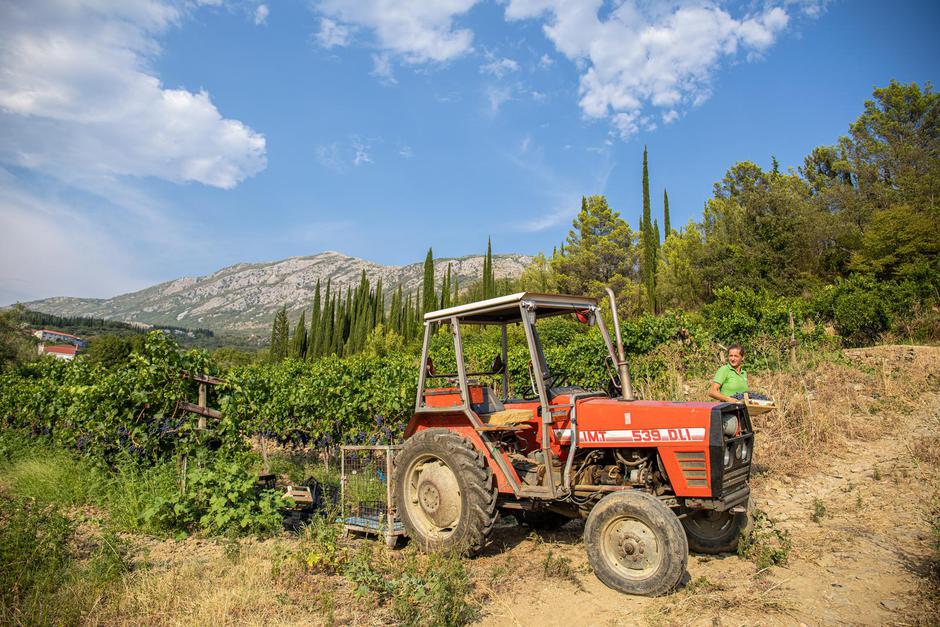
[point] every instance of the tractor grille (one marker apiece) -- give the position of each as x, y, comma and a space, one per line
734, 479
693, 469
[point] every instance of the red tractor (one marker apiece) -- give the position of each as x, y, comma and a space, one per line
651, 478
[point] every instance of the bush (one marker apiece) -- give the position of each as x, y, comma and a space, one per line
221, 497
859, 308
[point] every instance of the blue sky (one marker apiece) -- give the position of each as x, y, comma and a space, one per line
144, 140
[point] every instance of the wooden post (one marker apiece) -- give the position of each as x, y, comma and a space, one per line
264, 454
792, 340
202, 403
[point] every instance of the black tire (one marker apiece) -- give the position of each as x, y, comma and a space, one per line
635, 544
544, 520
445, 492
713, 532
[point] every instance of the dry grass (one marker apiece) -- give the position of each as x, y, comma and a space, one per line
213, 587
758, 598
822, 408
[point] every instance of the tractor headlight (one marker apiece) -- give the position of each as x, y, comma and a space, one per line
745, 452
728, 457
730, 425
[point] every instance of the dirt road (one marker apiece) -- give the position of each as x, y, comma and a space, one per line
860, 535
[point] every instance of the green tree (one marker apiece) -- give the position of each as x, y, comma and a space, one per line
648, 264
298, 349
112, 350
314, 332
279, 336
15, 342
427, 288
666, 224
600, 251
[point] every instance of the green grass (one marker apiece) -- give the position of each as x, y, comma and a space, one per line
42, 579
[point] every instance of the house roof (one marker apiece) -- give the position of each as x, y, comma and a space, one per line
63, 349
504, 309
50, 331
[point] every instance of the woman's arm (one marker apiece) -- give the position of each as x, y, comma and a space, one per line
715, 393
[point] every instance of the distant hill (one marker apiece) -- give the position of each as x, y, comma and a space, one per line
243, 298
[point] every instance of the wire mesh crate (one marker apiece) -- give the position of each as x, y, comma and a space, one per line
366, 491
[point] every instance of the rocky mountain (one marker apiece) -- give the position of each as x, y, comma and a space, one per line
244, 297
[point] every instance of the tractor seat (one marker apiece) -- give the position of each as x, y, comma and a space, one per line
490, 405
510, 417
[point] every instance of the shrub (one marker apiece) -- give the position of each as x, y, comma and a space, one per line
765, 544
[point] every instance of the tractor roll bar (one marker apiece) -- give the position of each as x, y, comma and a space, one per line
626, 386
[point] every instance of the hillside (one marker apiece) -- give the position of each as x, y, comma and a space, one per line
244, 297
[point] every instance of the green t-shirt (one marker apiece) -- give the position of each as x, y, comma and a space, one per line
730, 381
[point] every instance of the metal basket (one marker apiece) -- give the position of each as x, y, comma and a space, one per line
366, 491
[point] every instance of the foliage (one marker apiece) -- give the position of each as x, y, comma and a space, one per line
15, 344
112, 350
600, 251
765, 544
423, 590
41, 580
221, 497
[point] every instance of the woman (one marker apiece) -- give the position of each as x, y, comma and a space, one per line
730, 382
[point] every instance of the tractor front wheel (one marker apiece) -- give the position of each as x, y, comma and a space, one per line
445, 492
714, 532
635, 544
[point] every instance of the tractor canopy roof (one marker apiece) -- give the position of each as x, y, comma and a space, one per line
508, 309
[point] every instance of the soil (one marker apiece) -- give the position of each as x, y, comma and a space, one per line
864, 558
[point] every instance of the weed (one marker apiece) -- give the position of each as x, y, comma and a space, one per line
765, 545
876, 475
321, 550
858, 502
819, 511
41, 580
560, 568
422, 590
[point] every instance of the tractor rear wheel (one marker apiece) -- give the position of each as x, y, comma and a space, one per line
714, 532
445, 492
635, 544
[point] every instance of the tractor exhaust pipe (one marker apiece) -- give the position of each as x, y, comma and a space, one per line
626, 386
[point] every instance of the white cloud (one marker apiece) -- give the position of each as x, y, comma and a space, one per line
406, 151
361, 152
261, 14
546, 62
78, 99
497, 96
658, 56
339, 156
498, 67
332, 34
382, 68
670, 116
416, 30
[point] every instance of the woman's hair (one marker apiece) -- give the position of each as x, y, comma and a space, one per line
736, 346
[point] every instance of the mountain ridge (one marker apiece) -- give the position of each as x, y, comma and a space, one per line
243, 297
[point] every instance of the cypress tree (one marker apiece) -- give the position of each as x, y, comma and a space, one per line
445, 289
298, 349
455, 299
666, 226
646, 234
279, 336
428, 300
325, 330
314, 332
489, 285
